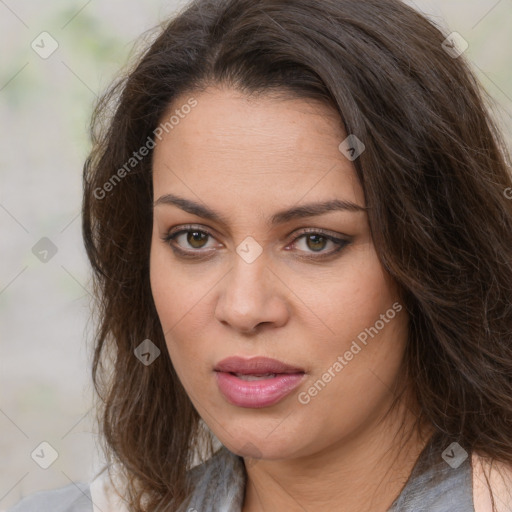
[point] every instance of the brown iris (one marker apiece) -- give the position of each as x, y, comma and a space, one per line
194, 237
318, 242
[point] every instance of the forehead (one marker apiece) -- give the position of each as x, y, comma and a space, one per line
254, 151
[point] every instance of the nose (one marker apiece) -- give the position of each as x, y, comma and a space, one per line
252, 297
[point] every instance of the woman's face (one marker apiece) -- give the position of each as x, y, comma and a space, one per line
273, 274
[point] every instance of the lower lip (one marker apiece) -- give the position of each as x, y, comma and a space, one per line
257, 393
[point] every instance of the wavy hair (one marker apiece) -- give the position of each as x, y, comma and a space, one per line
434, 174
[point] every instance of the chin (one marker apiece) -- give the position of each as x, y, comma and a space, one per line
254, 448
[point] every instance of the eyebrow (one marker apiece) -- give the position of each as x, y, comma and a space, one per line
299, 212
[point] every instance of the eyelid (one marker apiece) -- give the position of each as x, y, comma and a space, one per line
190, 227
320, 231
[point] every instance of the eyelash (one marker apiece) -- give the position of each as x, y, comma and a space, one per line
170, 238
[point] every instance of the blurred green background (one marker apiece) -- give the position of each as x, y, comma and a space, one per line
45, 105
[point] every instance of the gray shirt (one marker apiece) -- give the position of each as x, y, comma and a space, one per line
219, 485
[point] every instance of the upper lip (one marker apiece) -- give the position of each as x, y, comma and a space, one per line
255, 366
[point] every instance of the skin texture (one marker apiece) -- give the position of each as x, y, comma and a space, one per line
247, 159
500, 479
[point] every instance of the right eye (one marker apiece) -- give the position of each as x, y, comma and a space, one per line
189, 241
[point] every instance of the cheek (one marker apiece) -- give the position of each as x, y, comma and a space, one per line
164, 285
363, 297
181, 301
351, 299
357, 368
177, 289
365, 342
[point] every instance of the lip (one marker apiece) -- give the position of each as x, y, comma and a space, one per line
257, 393
255, 366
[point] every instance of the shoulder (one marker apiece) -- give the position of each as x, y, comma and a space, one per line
500, 482
71, 498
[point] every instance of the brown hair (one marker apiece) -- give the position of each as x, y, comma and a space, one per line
434, 174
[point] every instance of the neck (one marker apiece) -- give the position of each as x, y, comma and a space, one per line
365, 472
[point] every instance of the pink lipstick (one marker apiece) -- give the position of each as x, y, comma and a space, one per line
257, 382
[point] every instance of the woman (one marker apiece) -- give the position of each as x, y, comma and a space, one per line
299, 229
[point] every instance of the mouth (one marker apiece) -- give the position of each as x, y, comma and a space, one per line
256, 366
257, 382
249, 378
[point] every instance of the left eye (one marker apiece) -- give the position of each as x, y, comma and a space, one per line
314, 241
